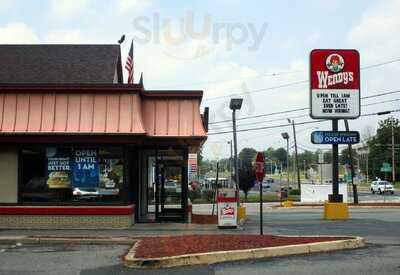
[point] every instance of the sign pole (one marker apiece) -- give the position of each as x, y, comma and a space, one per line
260, 173
261, 208
335, 197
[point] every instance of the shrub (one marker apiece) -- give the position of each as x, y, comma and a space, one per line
208, 195
294, 192
194, 194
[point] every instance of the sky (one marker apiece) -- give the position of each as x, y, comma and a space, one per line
258, 49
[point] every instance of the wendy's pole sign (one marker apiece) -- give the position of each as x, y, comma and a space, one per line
335, 84
334, 95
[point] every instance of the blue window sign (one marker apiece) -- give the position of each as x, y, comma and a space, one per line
85, 168
339, 137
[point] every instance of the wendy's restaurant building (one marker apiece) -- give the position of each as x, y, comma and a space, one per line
80, 149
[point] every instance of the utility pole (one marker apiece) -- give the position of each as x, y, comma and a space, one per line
393, 160
271, 167
367, 166
295, 155
355, 194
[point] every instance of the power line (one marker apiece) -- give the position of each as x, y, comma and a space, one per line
300, 109
381, 102
259, 90
261, 75
297, 82
299, 116
255, 116
289, 124
268, 127
237, 79
259, 122
381, 64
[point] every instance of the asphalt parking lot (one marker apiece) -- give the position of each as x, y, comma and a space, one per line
380, 228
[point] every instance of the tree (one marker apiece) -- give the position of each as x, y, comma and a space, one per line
328, 156
247, 155
269, 153
380, 150
247, 176
280, 155
345, 156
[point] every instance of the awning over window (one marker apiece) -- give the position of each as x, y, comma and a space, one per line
71, 114
103, 113
173, 117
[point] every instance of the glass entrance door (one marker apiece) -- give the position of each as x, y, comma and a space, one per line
169, 191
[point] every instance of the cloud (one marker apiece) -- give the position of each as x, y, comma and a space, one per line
131, 6
73, 36
17, 33
5, 5
67, 9
375, 34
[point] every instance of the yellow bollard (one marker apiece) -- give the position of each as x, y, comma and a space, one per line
241, 214
287, 203
336, 211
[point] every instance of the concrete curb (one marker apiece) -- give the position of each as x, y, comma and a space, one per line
67, 240
235, 255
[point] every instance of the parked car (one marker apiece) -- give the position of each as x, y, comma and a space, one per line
382, 186
270, 180
266, 185
173, 186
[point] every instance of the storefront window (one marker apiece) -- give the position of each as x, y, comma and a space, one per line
72, 174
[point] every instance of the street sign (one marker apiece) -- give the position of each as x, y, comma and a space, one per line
386, 167
260, 168
321, 158
260, 173
337, 137
335, 84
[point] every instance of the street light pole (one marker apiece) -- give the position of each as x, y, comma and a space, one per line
235, 151
287, 162
235, 104
286, 137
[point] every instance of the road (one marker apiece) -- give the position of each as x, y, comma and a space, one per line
380, 227
363, 196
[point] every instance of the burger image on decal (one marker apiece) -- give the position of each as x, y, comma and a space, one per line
58, 179
335, 63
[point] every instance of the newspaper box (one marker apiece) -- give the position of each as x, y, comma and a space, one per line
227, 208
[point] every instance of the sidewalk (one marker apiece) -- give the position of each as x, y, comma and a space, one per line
149, 229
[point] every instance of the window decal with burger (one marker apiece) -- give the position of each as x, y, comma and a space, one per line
58, 168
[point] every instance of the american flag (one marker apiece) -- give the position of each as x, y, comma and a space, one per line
129, 65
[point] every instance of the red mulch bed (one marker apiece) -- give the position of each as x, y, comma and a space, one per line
204, 219
155, 247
